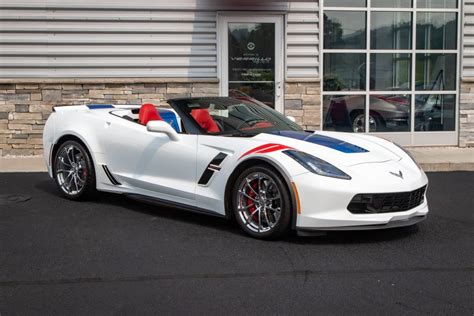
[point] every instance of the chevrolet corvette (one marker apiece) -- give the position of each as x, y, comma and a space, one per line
236, 159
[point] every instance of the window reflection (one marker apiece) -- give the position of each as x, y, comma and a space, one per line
391, 30
436, 30
390, 113
390, 72
344, 29
391, 3
435, 112
261, 91
344, 71
450, 4
435, 72
345, 3
344, 113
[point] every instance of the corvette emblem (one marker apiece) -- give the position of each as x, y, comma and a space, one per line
399, 174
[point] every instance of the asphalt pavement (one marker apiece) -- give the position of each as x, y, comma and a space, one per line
114, 255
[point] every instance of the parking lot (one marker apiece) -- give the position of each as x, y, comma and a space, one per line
114, 255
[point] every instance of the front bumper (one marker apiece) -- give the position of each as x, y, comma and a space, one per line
324, 200
393, 224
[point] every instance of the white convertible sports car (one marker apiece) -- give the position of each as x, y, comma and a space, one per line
237, 159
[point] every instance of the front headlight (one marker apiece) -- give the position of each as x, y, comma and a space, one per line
316, 165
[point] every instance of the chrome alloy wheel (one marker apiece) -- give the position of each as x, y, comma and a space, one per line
71, 170
259, 202
358, 125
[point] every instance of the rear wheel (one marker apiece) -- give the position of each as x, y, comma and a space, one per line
261, 203
73, 171
358, 123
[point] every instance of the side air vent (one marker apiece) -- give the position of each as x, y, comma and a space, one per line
212, 167
110, 176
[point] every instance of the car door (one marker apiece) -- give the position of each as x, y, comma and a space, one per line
150, 161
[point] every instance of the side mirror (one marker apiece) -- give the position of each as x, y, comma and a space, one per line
291, 118
162, 127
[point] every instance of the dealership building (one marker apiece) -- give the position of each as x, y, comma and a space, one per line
399, 69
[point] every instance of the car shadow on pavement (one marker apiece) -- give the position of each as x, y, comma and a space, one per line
152, 209
356, 237
230, 226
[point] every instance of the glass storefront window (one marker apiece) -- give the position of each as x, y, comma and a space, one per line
261, 91
344, 113
437, 4
345, 3
344, 72
435, 72
390, 113
435, 112
344, 30
371, 86
390, 72
252, 61
436, 30
390, 30
391, 3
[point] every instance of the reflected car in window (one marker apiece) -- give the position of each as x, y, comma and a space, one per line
347, 113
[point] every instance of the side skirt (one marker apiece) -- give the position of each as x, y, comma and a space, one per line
160, 202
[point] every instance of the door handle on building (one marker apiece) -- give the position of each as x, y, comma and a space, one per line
278, 89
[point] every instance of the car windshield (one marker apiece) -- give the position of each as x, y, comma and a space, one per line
234, 117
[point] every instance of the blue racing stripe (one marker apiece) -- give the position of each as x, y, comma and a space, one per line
323, 140
100, 106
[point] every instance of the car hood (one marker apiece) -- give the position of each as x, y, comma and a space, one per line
343, 149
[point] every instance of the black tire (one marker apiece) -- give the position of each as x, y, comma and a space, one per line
379, 121
282, 224
84, 172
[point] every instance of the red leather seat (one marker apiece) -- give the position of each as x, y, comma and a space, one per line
204, 119
148, 113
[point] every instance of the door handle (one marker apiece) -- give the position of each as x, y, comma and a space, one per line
278, 89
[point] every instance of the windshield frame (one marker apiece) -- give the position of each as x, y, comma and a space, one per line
192, 127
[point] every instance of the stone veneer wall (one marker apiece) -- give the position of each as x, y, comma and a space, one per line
303, 102
24, 107
466, 114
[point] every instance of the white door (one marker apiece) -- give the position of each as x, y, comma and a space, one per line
151, 161
251, 57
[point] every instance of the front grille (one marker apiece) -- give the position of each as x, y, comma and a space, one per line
386, 202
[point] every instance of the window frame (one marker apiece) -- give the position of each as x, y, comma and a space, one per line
413, 138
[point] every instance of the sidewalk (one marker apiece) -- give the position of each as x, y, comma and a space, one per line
430, 158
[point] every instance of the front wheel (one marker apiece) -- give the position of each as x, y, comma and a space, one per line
73, 171
261, 203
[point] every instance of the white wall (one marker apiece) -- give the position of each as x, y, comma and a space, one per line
468, 40
143, 38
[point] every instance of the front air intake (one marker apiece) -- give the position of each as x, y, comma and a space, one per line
386, 202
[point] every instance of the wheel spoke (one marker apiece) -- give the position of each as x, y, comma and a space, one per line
259, 219
250, 186
251, 216
266, 217
274, 209
246, 207
61, 159
247, 196
273, 198
68, 154
81, 181
75, 183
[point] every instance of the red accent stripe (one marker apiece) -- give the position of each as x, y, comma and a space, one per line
267, 148
272, 149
